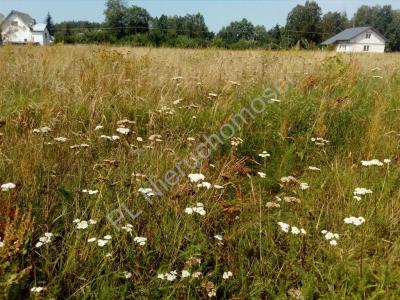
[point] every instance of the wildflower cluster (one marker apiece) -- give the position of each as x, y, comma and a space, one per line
101, 242
199, 209
357, 221
45, 239
375, 162
319, 141
236, 141
83, 224
141, 241
291, 229
331, 237
358, 192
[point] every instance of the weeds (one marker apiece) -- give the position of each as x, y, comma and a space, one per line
85, 129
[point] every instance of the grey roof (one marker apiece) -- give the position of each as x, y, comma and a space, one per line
348, 34
27, 19
24, 17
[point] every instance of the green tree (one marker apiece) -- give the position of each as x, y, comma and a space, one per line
383, 19
195, 27
115, 13
377, 16
393, 32
275, 35
136, 20
50, 24
332, 23
261, 35
162, 24
304, 23
78, 31
236, 31
169, 29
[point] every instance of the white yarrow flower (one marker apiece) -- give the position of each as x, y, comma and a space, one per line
264, 154
140, 240
304, 186
185, 274
314, 168
110, 138
42, 130
101, 243
357, 221
262, 175
285, 227
361, 191
61, 139
82, 225
226, 275
146, 192
45, 239
199, 209
195, 177
171, 276
295, 230
37, 289
123, 130
196, 274
90, 192
218, 237
373, 162
7, 186
204, 184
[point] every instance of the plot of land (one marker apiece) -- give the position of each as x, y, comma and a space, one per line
191, 174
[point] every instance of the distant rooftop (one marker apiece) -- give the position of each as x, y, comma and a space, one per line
24, 17
348, 34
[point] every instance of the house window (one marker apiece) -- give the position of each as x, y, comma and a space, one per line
368, 36
14, 23
366, 48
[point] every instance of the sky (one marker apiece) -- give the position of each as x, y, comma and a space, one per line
217, 13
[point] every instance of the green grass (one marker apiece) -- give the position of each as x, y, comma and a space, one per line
74, 89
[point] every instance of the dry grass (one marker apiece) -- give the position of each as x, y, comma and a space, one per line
344, 99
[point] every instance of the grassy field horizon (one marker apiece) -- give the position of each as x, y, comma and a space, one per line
300, 200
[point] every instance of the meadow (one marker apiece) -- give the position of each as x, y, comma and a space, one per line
303, 202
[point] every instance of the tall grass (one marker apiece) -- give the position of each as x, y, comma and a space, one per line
343, 99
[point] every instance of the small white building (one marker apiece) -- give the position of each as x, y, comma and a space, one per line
358, 39
20, 28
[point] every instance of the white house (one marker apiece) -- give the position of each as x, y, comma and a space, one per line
20, 28
358, 39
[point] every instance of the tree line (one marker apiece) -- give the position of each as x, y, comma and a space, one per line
306, 27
